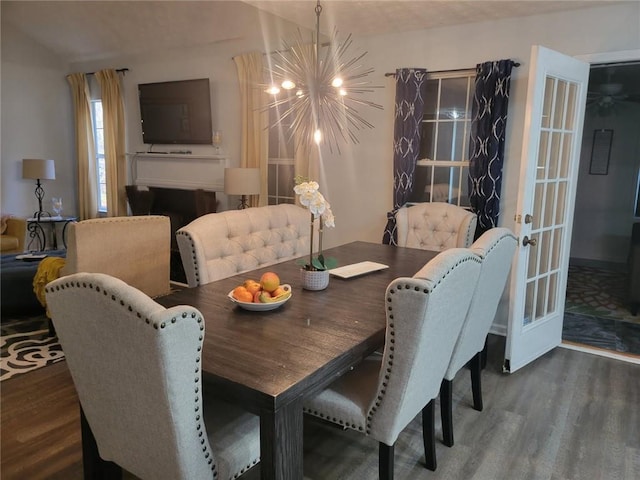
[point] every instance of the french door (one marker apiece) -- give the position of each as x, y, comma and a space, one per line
556, 100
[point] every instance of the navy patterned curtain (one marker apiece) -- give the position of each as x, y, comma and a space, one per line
486, 148
410, 89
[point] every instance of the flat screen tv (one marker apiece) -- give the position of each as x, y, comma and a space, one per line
176, 112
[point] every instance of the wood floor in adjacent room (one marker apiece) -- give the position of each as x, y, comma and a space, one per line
569, 415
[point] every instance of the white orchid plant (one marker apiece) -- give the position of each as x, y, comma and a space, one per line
310, 197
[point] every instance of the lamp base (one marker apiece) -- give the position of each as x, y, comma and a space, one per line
243, 203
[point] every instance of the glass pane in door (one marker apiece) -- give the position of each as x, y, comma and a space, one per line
550, 199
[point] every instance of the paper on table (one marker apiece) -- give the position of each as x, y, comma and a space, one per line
356, 269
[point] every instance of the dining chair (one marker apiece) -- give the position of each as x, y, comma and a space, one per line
383, 393
496, 248
135, 249
136, 367
435, 226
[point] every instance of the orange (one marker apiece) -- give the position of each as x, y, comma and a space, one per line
252, 286
242, 294
269, 281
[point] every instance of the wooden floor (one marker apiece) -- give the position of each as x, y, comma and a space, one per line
569, 415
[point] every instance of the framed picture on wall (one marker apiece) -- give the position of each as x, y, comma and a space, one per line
601, 152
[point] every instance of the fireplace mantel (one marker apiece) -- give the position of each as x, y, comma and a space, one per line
183, 171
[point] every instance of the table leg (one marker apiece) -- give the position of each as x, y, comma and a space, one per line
281, 436
36, 233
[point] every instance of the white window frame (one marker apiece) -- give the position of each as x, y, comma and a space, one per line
457, 182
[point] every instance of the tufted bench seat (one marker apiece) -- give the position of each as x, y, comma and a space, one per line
223, 244
435, 226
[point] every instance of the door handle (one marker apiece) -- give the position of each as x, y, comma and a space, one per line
528, 218
529, 241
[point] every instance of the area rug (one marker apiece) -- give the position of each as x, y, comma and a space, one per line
597, 292
25, 345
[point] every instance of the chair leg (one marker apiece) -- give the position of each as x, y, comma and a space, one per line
485, 353
385, 462
428, 435
476, 384
95, 468
446, 411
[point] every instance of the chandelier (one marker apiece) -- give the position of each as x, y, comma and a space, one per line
323, 97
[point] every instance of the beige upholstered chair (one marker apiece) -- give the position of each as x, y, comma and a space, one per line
133, 249
496, 248
435, 226
383, 394
219, 245
136, 368
14, 231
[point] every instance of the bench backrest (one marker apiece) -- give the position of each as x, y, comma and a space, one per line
223, 244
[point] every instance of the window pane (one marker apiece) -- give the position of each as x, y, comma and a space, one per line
431, 100
453, 98
427, 143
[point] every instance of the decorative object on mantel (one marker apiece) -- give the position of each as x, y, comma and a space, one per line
243, 182
323, 108
217, 140
39, 169
314, 274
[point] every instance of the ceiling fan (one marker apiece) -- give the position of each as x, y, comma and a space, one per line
609, 96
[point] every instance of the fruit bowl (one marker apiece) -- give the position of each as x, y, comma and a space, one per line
260, 307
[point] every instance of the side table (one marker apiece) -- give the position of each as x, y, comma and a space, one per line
39, 228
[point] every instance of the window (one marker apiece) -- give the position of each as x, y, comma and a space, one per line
98, 137
443, 166
281, 164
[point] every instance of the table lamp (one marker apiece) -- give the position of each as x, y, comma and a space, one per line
243, 182
39, 169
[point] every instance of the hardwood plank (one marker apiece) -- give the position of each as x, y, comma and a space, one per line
568, 415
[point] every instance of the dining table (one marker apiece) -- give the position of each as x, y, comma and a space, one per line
270, 361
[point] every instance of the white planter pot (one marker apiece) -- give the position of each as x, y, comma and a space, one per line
314, 279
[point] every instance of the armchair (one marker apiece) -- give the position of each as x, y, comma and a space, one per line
133, 249
382, 395
136, 368
496, 248
14, 231
435, 226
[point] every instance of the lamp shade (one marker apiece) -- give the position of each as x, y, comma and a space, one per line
241, 181
38, 169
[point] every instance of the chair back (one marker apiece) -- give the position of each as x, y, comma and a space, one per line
496, 248
424, 317
136, 368
435, 226
134, 249
223, 244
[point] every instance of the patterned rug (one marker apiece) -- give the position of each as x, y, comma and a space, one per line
597, 292
25, 345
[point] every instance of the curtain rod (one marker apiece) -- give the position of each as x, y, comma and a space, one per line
119, 70
393, 74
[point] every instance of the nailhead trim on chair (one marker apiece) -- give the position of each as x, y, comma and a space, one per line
163, 325
196, 272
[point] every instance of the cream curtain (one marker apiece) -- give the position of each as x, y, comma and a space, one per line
85, 148
255, 118
113, 123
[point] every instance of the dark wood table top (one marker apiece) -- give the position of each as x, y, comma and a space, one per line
268, 359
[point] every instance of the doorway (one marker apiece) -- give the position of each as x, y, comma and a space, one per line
597, 309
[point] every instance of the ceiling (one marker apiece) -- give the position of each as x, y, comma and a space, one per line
80, 31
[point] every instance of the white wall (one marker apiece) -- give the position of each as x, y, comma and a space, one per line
359, 182
36, 122
604, 203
